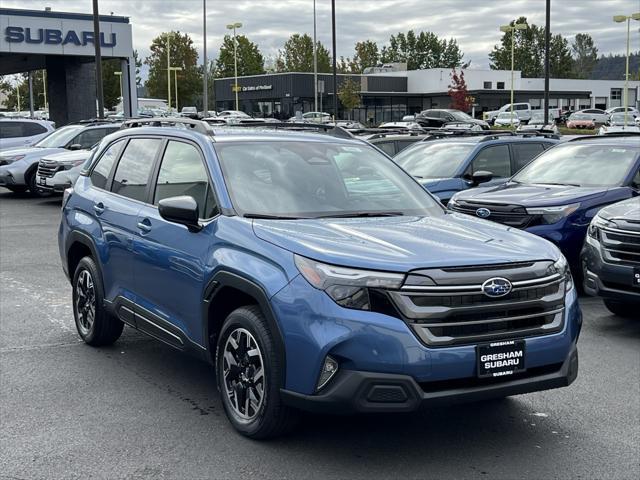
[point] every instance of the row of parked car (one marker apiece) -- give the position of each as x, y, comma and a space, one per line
317, 273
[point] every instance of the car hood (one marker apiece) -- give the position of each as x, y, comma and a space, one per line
437, 184
30, 151
405, 243
67, 156
627, 209
531, 195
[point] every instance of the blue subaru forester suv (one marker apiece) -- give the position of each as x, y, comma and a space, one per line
312, 271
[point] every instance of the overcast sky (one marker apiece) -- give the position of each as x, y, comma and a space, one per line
269, 23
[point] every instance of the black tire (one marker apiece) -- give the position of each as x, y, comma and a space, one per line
16, 188
622, 309
33, 187
104, 328
272, 418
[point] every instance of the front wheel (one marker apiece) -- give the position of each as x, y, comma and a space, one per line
627, 310
33, 187
249, 373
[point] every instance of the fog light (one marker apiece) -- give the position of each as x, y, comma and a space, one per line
329, 369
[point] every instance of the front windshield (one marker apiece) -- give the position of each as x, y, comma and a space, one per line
507, 115
579, 116
537, 118
296, 179
60, 137
581, 165
618, 119
433, 160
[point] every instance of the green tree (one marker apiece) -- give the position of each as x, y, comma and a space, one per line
111, 83
138, 63
585, 55
349, 94
250, 60
424, 50
182, 54
366, 55
297, 55
529, 52
20, 82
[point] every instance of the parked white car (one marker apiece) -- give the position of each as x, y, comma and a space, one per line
523, 110
631, 111
400, 126
316, 117
22, 132
616, 124
507, 119
59, 171
597, 115
536, 124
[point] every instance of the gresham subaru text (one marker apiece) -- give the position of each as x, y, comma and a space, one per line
312, 271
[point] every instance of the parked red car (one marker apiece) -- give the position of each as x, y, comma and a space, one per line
580, 120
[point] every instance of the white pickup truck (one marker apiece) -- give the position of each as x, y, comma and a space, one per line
523, 110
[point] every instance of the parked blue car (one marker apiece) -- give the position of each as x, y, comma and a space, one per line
449, 165
312, 271
558, 193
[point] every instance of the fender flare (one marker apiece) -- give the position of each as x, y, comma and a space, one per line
225, 278
76, 236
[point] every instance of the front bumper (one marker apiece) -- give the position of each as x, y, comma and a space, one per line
366, 392
6, 179
51, 184
608, 280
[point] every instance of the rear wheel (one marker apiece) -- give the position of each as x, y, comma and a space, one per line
94, 324
249, 372
627, 310
16, 188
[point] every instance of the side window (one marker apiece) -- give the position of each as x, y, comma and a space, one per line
132, 173
11, 130
402, 144
635, 181
90, 137
387, 147
525, 152
183, 173
522, 106
29, 129
494, 159
101, 171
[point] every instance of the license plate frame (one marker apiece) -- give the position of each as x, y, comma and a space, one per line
635, 279
502, 358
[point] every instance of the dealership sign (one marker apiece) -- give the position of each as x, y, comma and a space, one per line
253, 88
58, 33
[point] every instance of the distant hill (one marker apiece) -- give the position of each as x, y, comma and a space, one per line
612, 67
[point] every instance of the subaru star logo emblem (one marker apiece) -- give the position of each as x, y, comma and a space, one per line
496, 287
483, 212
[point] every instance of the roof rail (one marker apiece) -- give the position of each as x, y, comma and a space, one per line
197, 125
552, 135
328, 129
98, 120
612, 134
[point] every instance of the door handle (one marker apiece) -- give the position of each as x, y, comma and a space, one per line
98, 208
145, 225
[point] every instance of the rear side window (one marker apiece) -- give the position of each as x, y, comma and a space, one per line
90, 137
31, 128
494, 159
402, 144
20, 129
132, 174
525, 152
387, 147
183, 173
102, 170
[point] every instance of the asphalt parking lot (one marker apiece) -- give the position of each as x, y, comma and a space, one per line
139, 409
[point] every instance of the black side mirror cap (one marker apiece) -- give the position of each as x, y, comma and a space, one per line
182, 210
75, 146
481, 176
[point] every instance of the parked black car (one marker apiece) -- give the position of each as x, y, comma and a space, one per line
393, 142
611, 257
440, 117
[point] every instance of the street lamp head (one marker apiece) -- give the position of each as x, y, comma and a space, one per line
505, 28
519, 26
620, 18
231, 26
635, 16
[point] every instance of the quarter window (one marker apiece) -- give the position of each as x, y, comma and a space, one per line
387, 147
100, 173
183, 173
525, 152
132, 174
494, 159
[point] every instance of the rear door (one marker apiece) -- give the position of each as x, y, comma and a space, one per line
170, 261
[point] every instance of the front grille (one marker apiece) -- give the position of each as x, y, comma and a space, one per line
621, 246
512, 215
48, 169
453, 310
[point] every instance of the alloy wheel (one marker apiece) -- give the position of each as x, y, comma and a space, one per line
243, 372
85, 302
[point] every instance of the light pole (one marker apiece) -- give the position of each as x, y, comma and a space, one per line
315, 61
620, 19
205, 87
119, 75
175, 82
169, 70
44, 89
512, 29
233, 26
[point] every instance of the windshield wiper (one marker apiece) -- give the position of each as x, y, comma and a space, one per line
561, 184
270, 217
361, 214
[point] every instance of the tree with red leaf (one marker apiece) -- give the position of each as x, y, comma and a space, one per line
460, 98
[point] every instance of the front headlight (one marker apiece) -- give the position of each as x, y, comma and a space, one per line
561, 266
10, 159
552, 215
348, 287
596, 224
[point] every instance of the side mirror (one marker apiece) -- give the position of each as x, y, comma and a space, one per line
481, 176
75, 146
182, 210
